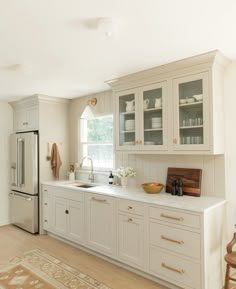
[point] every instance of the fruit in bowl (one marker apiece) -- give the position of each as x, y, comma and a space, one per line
152, 188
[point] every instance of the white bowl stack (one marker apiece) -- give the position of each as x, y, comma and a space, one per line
156, 122
130, 124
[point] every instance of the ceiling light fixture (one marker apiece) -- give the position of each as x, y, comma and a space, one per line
106, 26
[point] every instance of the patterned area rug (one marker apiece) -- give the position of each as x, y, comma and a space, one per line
38, 270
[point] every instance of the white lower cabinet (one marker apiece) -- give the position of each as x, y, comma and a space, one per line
46, 206
59, 217
68, 219
175, 245
175, 269
66, 214
130, 230
101, 223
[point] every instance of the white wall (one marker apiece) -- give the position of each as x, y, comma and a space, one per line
230, 140
6, 128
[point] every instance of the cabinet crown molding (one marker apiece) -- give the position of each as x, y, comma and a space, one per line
35, 99
203, 61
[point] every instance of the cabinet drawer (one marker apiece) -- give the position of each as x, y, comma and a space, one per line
174, 269
175, 217
131, 207
176, 240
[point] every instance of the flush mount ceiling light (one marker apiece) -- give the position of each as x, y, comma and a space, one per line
106, 26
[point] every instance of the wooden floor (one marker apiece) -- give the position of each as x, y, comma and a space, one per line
14, 241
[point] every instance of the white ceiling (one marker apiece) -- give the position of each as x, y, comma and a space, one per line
53, 47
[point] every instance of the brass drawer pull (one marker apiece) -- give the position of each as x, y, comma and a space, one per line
171, 217
45, 204
99, 200
172, 240
180, 271
130, 219
45, 221
130, 207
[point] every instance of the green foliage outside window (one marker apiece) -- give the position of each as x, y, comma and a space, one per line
100, 129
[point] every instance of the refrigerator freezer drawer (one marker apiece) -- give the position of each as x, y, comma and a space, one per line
24, 211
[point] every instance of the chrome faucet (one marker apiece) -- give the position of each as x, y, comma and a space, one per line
91, 175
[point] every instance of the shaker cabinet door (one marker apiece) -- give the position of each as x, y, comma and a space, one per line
191, 112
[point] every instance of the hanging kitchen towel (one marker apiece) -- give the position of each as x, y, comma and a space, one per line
55, 161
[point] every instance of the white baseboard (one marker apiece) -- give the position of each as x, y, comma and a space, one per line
5, 222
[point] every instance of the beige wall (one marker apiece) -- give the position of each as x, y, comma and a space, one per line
53, 127
6, 128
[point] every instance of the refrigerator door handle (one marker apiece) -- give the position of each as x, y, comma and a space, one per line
13, 175
20, 162
20, 197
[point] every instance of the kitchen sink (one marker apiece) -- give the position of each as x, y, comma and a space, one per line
85, 186
81, 185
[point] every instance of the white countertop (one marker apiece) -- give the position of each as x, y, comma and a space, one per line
197, 204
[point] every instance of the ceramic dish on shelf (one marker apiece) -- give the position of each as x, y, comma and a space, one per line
182, 101
156, 125
190, 100
198, 97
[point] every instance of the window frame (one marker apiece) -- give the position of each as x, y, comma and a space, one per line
83, 142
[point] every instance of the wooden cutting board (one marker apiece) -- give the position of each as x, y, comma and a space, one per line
191, 179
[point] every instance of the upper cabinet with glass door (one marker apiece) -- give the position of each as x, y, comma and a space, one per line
153, 116
141, 118
126, 119
176, 108
191, 112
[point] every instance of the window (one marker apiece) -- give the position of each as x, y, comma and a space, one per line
97, 141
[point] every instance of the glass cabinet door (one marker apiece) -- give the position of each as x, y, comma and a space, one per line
126, 119
153, 126
191, 119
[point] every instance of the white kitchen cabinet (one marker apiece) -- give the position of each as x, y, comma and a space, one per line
66, 216
192, 112
131, 233
46, 210
26, 119
178, 241
188, 117
101, 223
59, 215
142, 118
179, 246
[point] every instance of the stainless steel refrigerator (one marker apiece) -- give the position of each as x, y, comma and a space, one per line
24, 181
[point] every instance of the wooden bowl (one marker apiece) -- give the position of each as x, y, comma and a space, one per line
152, 188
